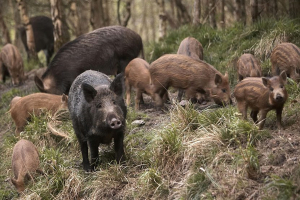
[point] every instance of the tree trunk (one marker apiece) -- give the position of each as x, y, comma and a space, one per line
212, 13
223, 14
275, 10
124, 21
29, 31
197, 12
162, 19
3, 26
183, 15
240, 13
99, 17
61, 34
254, 10
153, 23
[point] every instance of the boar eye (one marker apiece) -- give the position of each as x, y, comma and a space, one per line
114, 102
281, 86
271, 89
224, 90
99, 105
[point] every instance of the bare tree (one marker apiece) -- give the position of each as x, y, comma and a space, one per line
162, 19
254, 10
197, 12
182, 13
223, 14
29, 31
78, 16
240, 11
3, 26
61, 34
99, 14
124, 22
212, 13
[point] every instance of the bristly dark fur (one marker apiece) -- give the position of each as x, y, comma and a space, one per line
107, 50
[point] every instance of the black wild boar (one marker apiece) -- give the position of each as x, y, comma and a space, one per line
183, 72
261, 95
108, 50
25, 162
11, 64
193, 48
98, 113
286, 57
43, 35
248, 66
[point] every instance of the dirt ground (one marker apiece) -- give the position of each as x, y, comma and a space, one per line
278, 155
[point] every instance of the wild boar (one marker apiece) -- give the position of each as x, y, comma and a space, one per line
248, 66
137, 75
25, 162
98, 113
286, 57
11, 64
191, 47
108, 50
43, 36
22, 109
183, 72
261, 95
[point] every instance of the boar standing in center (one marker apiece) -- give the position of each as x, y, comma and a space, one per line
193, 48
183, 72
261, 95
137, 75
98, 113
248, 66
108, 50
11, 64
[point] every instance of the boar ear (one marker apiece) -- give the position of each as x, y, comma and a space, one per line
265, 81
39, 83
89, 92
218, 79
117, 86
283, 75
64, 98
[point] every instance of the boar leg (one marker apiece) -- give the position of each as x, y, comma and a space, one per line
138, 98
119, 148
85, 155
128, 93
190, 94
253, 115
158, 100
242, 107
262, 119
94, 153
180, 95
278, 116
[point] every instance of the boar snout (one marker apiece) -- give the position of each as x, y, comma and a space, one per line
114, 123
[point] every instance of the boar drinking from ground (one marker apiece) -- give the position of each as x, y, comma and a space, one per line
22, 108
108, 50
25, 162
193, 48
98, 114
137, 76
286, 57
248, 66
261, 95
183, 72
42, 27
11, 64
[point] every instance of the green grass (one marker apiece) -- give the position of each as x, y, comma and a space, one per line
205, 154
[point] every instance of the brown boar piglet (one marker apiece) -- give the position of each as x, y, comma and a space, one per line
248, 66
25, 162
286, 57
137, 76
11, 64
24, 107
261, 95
183, 72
